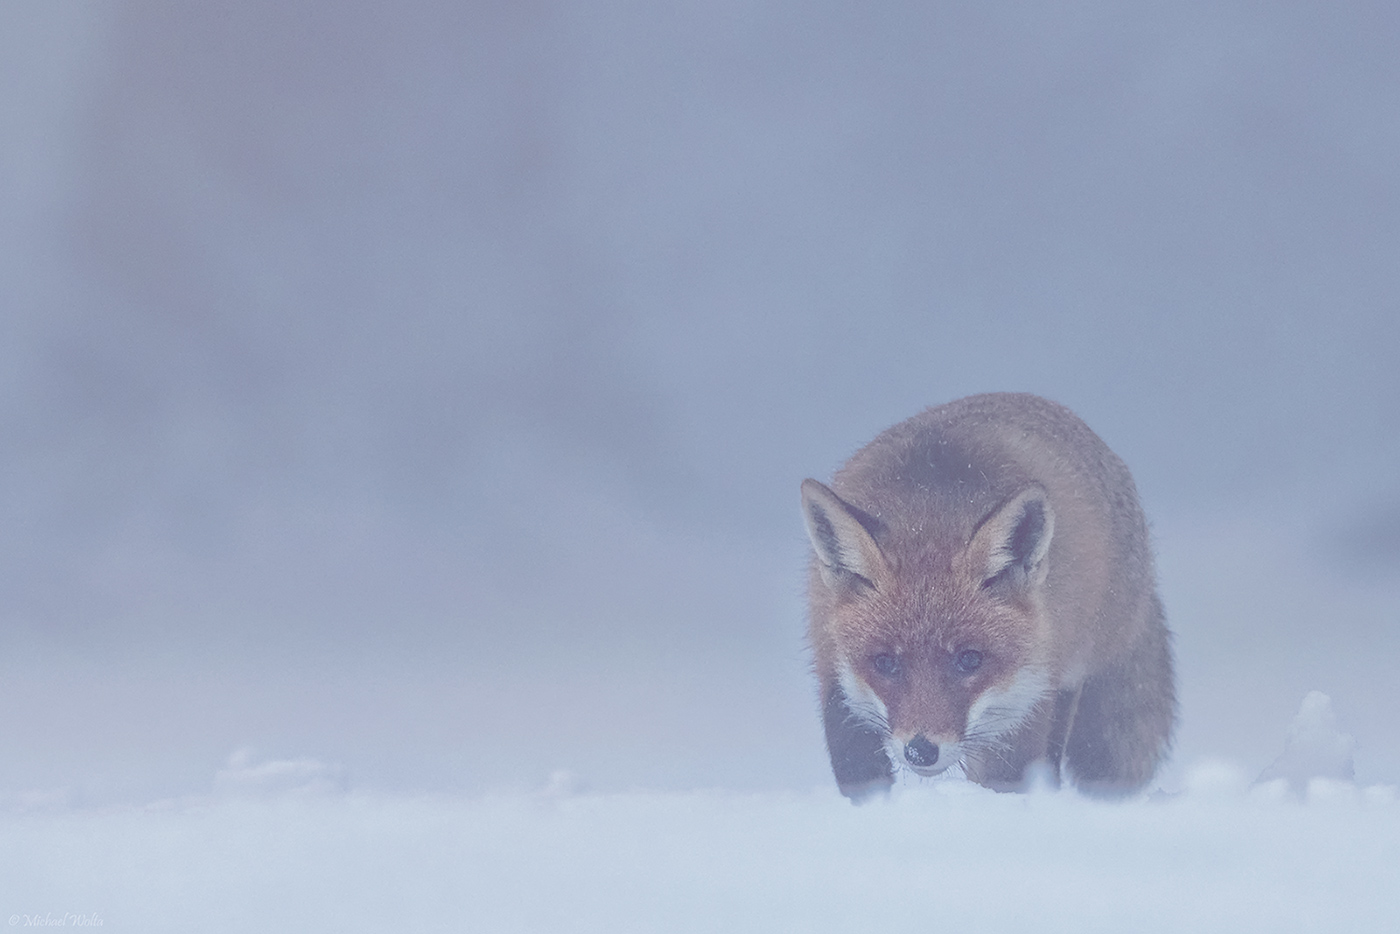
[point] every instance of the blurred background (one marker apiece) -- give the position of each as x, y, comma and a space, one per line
422, 390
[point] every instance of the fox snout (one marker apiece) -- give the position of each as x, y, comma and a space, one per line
922, 754
927, 754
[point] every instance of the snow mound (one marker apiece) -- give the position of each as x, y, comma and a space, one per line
1315, 751
247, 777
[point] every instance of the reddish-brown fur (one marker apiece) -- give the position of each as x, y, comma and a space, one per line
1001, 525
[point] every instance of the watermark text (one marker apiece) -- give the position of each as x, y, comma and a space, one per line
48, 919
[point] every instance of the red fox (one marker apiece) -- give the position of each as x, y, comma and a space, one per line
982, 596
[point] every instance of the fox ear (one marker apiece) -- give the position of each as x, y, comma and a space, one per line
843, 545
1013, 541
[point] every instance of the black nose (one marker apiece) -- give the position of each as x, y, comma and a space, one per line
920, 752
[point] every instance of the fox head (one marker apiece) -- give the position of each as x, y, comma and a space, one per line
934, 633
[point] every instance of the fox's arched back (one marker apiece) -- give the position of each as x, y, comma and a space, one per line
982, 595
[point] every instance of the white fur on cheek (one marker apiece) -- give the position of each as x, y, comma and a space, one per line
1001, 710
864, 702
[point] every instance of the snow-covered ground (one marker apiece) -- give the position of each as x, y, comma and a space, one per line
276, 846
1214, 859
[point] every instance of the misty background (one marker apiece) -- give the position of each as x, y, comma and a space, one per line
423, 390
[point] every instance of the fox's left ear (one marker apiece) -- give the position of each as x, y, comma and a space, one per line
1011, 544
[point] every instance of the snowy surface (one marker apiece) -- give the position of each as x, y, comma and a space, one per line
1217, 858
278, 847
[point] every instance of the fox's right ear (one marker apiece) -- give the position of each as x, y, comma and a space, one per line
844, 547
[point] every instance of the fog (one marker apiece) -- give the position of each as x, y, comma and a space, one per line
422, 391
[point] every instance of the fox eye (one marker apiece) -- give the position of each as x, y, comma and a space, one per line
885, 663
967, 661
998, 579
